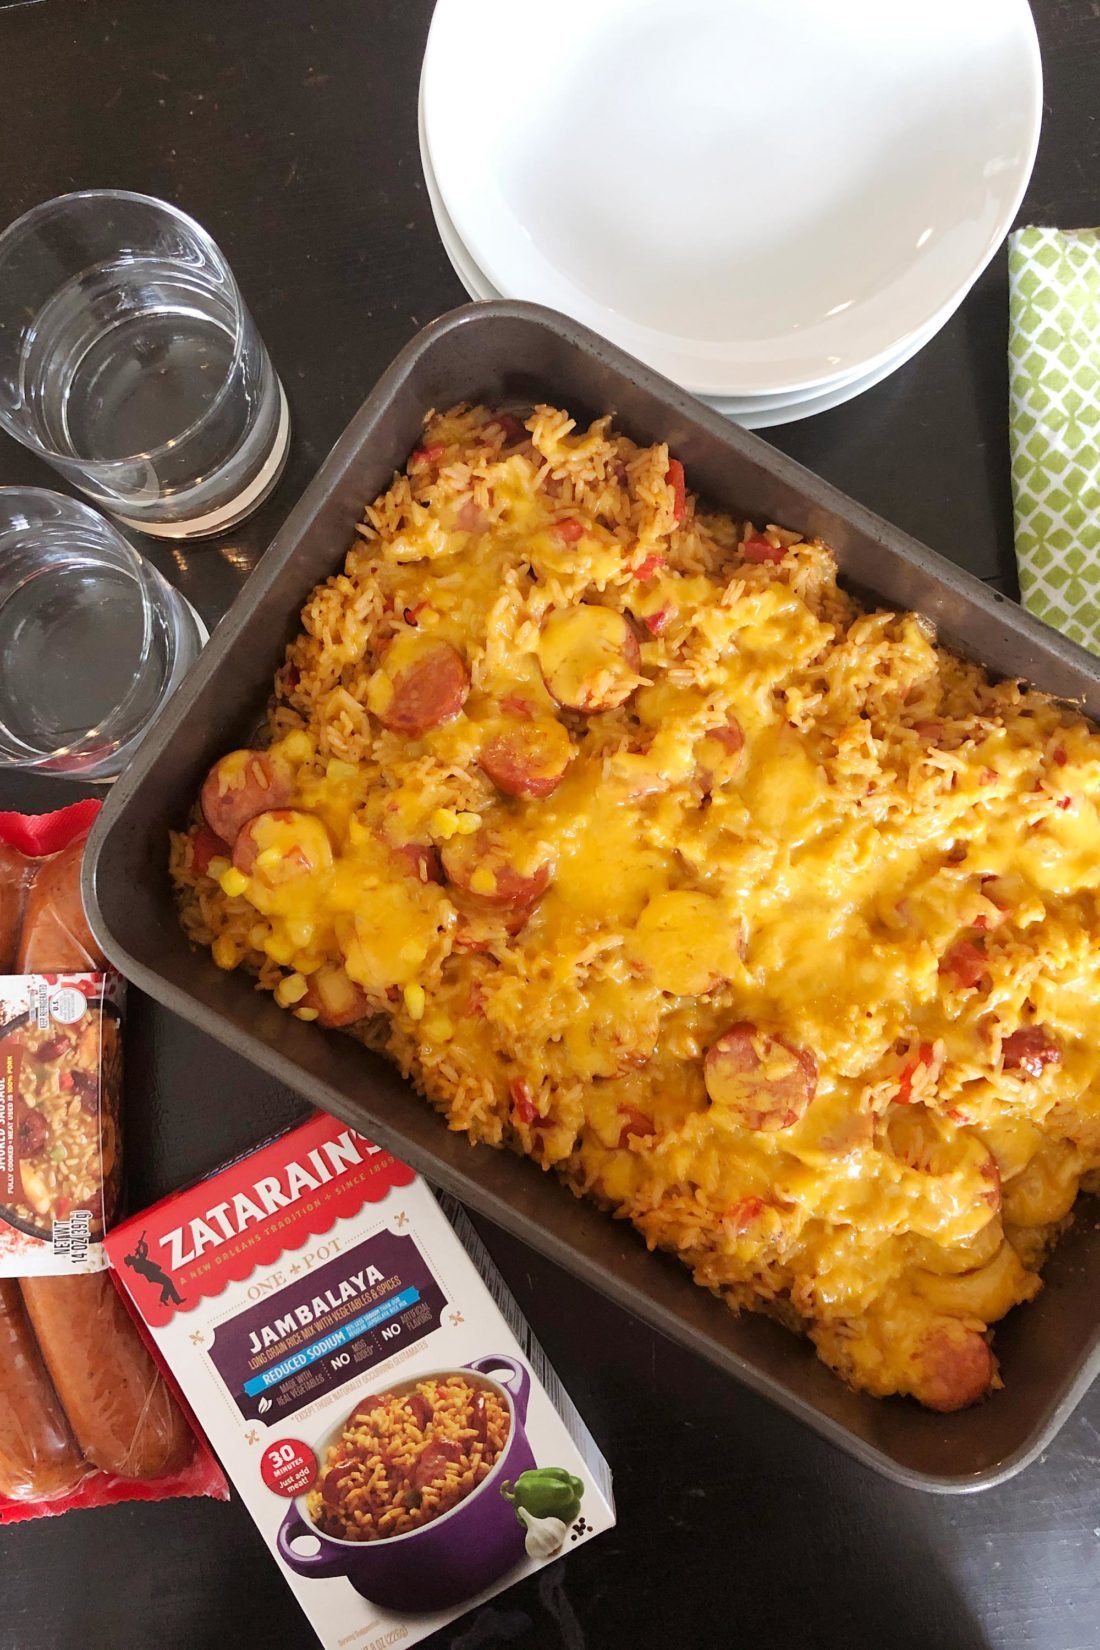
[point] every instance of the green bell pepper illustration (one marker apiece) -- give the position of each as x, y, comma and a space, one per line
545, 1492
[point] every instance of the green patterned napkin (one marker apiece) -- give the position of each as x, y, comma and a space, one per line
1054, 370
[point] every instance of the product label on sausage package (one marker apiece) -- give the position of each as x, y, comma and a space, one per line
338, 1321
362, 1373
60, 1092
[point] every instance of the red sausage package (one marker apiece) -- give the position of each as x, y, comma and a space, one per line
86, 1415
60, 1054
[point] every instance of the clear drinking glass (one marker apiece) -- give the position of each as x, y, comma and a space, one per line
129, 361
92, 639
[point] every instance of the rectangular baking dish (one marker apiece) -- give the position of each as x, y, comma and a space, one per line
511, 353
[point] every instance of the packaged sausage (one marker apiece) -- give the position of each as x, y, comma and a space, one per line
61, 1010
86, 1415
391, 1424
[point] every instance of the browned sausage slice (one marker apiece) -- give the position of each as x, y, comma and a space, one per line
281, 846
589, 658
124, 1417
527, 758
55, 930
422, 682
1029, 1050
484, 866
38, 1459
763, 1080
954, 1367
241, 785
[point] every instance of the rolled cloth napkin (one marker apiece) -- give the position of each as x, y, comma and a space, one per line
1054, 378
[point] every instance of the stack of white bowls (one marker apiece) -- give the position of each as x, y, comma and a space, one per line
776, 203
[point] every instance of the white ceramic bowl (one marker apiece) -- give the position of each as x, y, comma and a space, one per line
754, 197
760, 412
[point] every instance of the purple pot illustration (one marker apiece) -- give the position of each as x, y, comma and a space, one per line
453, 1557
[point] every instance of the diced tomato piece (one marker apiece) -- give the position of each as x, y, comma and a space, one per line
1065, 802
741, 1215
522, 1100
570, 530
924, 1057
1060, 756
966, 964
637, 1126
656, 622
428, 455
760, 549
674, 475
65, 1081
649, 566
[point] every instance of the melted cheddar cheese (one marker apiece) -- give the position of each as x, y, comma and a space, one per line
644, 850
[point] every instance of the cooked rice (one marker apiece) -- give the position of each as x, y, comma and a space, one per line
907, 853
406, 1458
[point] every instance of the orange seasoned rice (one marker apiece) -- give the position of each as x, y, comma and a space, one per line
406, 1458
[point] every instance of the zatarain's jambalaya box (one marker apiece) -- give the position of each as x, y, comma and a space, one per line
368, 1382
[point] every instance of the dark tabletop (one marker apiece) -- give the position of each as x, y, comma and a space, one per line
288, 128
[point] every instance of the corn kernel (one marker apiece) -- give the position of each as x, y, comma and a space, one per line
297, 746
269, 858
233, 882
414, 1000
257, 935
279, 949
308, 962
467, 823
226, 952
438, 1029
444, 823
291, 990
217, 867
305, 1013
300, 930
412, 952
483, 881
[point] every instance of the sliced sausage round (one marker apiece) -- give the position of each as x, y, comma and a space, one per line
241, 785
282, 845
762, 1079
422, 682
1029, 1050
527, 758
954, 1367
484, 867
589, 658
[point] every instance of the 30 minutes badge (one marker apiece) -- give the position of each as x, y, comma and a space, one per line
288, 1467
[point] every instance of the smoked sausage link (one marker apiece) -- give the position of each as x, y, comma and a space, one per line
122, 1413
55, 933
38, 1458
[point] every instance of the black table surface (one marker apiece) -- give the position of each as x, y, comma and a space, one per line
288, 128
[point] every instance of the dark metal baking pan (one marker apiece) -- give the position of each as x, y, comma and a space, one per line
510, 353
